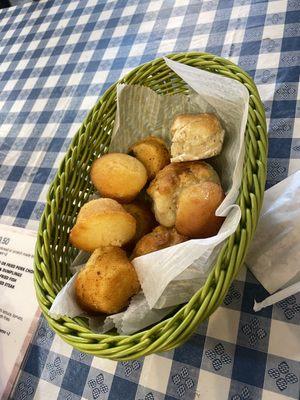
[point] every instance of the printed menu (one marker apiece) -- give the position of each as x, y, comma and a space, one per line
18, 305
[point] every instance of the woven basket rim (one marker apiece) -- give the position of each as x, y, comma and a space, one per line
218, 282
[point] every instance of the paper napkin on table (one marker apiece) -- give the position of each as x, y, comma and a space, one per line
274, 254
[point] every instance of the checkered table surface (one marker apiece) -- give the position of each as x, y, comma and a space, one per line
56, 58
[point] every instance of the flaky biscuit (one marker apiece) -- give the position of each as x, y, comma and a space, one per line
196, 137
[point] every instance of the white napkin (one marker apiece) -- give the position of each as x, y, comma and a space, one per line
274, 253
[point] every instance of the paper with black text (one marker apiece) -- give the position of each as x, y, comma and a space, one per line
18, 304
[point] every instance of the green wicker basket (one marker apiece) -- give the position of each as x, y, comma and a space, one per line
72, 187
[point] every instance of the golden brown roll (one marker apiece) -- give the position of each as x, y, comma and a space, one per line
144, 217
118, 176
170, 181
196, 137
102, 222
196, 206
153, 153
160, 238
107, 282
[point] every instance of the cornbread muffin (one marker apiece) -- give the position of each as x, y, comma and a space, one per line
102, 222
153, 154
170, 181
196, 137
144, 217
107, 282
160, 238
118, 176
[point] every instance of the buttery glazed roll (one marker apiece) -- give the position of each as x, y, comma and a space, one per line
196, 137
169, 182
196, 207
160, 238
118, 176
102, 222
107, 282
153, 154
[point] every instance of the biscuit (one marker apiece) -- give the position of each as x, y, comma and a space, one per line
196, 137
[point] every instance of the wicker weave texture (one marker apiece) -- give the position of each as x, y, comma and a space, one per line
72, 187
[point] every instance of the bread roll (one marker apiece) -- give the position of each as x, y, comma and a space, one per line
153, 153
144, 217
160, 238
196, 206
196, 137
118, 176
170, 181
102, 222
107, 282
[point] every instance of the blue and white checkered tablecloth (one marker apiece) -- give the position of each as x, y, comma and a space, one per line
56, 58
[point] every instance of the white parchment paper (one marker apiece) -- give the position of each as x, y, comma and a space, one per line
171, 276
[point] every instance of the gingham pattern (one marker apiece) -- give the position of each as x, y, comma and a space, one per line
56, 58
